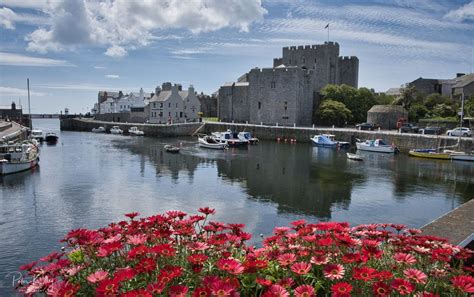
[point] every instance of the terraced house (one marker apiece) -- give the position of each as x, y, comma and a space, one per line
170, 104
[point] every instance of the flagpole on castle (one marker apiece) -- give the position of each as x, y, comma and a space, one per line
327, 27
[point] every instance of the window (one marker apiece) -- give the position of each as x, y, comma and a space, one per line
169, 113
181, 114
272, 84
154, 105
169, 104
304, 60
176, 105
176, 114
289, 62
161, 114
161, 105
259, 105
314, 60
286, 105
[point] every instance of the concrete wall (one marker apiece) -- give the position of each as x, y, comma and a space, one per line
122, 117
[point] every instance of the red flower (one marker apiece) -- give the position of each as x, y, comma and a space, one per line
381, 289
364, 273
264, 282
132, 215
276, 291
286, 259
124, 274
230, 265
404, 258
426, 294
29, 266
463, 283
164, 249
301, 268
320, 259
334, 271
202, 292
207, 210
67, 289
178, 291
415, 275
108, 248
108, 287
403, 286
341, 289
221, 288
304, 291
97, 276
146, 265
155, 288
137, 293
197, 258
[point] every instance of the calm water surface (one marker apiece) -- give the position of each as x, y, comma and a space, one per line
88, 180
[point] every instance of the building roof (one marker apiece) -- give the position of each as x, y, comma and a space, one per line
387, 108
393, 91
164, 95
236, 84
183, 94
464, 80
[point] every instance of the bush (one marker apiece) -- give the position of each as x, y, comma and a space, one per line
416, 112
334, 113
179, 255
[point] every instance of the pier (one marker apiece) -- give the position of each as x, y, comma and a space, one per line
404, 141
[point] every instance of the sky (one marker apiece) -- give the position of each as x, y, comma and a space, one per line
72, 49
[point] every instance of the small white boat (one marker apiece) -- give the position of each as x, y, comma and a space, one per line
98, 130
328, 140
38, 135
377, 146
247, 136
18, 157
116, 130
211, 142
354, 157
231, 138
134, 131
51, 138
171, 149
460, 156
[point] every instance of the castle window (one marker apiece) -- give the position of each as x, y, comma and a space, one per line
161, 105
259, 105
181, 114
314, 60
169, 104
176, 105
161, 114
272, 84
303, 60
154, 105
289, 62
176, 114
286, 105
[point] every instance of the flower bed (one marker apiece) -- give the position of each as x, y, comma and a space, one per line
176, 254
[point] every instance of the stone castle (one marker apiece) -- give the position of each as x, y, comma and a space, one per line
287, 92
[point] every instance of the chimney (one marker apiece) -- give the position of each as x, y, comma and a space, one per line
13, 105
460, 74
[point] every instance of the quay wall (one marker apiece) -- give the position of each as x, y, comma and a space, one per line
403, 141
181, 129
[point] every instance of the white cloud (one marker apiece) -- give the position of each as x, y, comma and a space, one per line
463, 13
116, 51
9, 59
31, 4
16, 92
112, 76
7, 17
123, 25
99, 67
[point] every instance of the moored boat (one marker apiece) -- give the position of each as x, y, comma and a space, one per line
134, 131
460, 156
328, 140
37, 134
429, 153
211, 142
18, 157
377, 145
354, 157
99, 130
171, 148
116, 130
51, 138
247, 136
231, 138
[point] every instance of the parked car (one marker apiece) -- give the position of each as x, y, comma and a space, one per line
365, 126
408, 128
463, 131
431, 131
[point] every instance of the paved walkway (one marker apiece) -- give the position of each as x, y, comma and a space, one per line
456, 225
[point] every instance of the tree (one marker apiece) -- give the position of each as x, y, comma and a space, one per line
332, 112
416, 112
408, 96
443, 110
469, 107
433, 99
383, 99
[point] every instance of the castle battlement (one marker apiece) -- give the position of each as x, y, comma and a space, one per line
348, 58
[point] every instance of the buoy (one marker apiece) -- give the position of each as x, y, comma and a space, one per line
286, 140
278, 139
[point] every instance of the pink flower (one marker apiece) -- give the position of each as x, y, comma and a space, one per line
304, 291
334, 271
319, 259
230, 265
463, 283
403, 286
276, 291
301, 268
404, 258
221, 288
137, 239
286, 259
415, 275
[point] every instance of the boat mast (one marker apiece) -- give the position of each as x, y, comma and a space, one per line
462, 116
29, 106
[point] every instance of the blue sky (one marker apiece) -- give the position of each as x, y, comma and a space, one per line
72, 49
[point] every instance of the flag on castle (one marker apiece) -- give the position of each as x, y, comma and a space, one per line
327, 26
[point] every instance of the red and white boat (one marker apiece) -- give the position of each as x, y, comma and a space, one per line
18, 157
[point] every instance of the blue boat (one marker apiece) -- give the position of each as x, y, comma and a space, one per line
327, 140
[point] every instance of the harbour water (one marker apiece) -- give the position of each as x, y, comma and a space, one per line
88, 180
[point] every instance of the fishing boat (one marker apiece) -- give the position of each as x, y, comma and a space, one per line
211, 142
377, 145
37, 134
231, 138
51, 138
134, 131
116, 130
354, 157
18, 157
99, 130
328, 140
429, 153
171, 149
247, 136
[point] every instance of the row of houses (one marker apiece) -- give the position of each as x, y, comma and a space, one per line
167, 104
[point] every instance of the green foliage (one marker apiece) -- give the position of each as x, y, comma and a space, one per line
433, 99
384, 99
332, 112
444, 110
469, 107
408, 96
416, 112
358, 101
76, 257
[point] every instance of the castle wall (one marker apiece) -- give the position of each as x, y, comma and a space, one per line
233, 103
280, 95
348, 68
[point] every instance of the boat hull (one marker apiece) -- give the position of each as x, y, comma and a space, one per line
216, 146
330, 145
429, 154
9, 168
51, 139
459, 157
376, 149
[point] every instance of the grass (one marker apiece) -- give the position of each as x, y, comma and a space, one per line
210, 119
